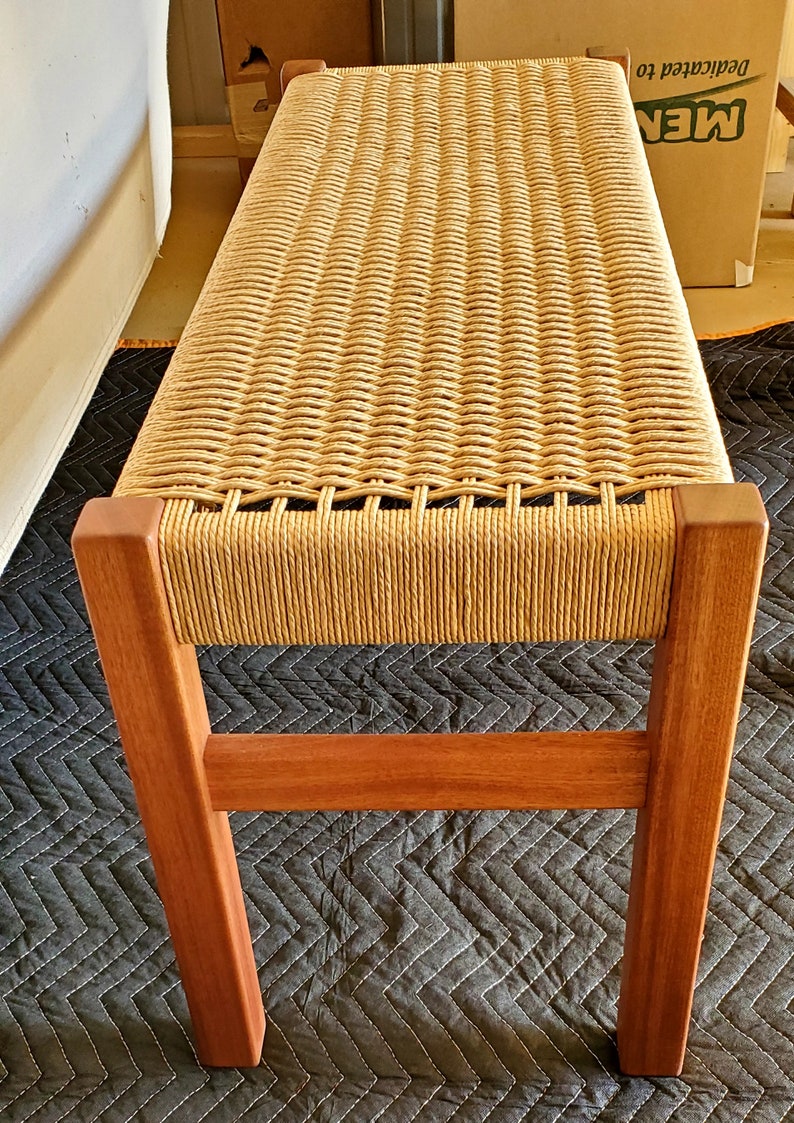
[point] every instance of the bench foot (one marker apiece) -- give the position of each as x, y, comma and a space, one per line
696, 689
159, 704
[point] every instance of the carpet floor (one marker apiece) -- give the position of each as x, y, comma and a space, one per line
415, 966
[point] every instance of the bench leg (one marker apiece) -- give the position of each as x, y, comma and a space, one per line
696, 690
159, 705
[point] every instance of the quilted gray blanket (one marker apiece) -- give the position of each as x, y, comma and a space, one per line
415, 966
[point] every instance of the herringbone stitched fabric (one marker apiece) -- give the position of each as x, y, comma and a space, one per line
414, 966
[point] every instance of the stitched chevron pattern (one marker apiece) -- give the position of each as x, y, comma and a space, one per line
427, 966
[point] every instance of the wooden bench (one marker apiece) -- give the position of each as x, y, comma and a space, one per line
440, 386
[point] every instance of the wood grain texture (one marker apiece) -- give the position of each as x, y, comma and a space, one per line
426, 771
696, 689
159, 705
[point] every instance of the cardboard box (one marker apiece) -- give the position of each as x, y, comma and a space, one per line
251, 112
704, 77
258, 36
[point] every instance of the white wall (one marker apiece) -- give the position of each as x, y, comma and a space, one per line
85, 171
80, 80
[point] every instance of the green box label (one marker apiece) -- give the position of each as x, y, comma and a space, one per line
696, 117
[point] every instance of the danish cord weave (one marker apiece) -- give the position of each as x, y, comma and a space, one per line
441, 380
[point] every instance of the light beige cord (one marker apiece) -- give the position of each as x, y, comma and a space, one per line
443, 283
423, 576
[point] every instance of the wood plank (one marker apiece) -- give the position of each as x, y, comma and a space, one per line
426, 771
696, 690
207, 141
159, 705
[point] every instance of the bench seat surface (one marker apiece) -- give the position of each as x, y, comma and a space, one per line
441, 380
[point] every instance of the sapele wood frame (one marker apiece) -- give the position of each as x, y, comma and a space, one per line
186, 778
675, 772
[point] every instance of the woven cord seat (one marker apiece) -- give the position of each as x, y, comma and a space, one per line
442, 342
440, 386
